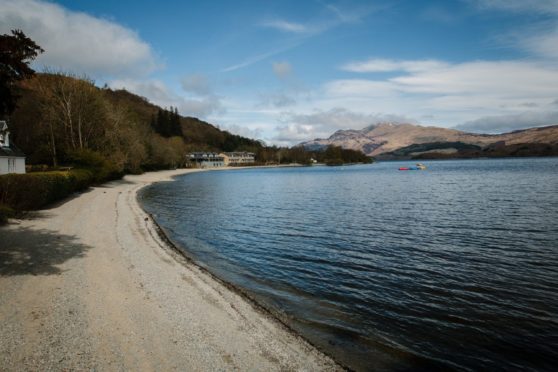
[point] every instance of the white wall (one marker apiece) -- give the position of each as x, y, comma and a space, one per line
20, 165
5, 165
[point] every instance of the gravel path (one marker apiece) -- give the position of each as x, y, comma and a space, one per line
89, 285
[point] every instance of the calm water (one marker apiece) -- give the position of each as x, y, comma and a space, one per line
455, 267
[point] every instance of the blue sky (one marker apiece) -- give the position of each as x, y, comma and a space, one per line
289, 71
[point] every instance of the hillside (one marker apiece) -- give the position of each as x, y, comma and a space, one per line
58, 115
388, 137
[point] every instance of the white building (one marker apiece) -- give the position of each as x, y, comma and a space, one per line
238, 158
12, 160
205, 160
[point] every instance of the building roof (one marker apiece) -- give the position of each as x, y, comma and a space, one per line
239, 153
209, 156
13, 150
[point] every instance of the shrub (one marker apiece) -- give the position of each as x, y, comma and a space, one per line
36, 168
81, 178
334, 162
86, 159
102, 169
5, 213
35, 190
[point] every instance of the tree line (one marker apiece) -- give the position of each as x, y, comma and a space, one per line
60, 115
329, 155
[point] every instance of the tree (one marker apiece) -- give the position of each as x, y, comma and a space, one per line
74, 110
176, 127
16, 52
167, 123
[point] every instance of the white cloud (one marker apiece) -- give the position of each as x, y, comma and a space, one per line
200, 108
282, 69
504, 78
322, 123
387, 65
359, 88
286, 26
542, 44
243, 131
197, 84
157, 92
510, 122
539, 38
277, 99
292, 89
78, 42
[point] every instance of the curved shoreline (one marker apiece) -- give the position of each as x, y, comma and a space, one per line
92, 283
265, 310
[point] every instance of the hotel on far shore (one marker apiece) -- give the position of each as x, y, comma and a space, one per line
224, 159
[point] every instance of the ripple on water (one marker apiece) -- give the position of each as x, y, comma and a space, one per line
452, 268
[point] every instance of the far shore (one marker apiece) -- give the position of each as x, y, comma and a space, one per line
91, 283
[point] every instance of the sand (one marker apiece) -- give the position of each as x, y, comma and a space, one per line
90, 285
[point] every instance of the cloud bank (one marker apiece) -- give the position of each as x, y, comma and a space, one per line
322, 123
510, 122
78, 42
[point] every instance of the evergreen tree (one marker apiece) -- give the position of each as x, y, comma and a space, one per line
166, 128
17, 51
159, 123
153, 122
177, 128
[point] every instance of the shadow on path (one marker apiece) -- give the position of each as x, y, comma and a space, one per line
25, 251
114, 183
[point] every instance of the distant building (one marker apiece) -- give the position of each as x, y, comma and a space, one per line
205, 160
12, 159
238, 158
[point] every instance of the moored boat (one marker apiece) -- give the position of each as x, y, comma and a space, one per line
418, 166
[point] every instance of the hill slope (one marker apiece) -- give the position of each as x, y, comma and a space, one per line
59, 115
387, 137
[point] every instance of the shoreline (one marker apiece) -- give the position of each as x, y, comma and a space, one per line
92, 283
183, 255
263, 309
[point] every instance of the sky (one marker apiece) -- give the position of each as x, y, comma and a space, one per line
290, 71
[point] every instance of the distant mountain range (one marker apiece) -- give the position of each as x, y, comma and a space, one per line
391, 140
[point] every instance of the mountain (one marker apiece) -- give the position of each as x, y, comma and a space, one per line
386, 138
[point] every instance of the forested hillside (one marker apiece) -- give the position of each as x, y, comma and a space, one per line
59, 115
